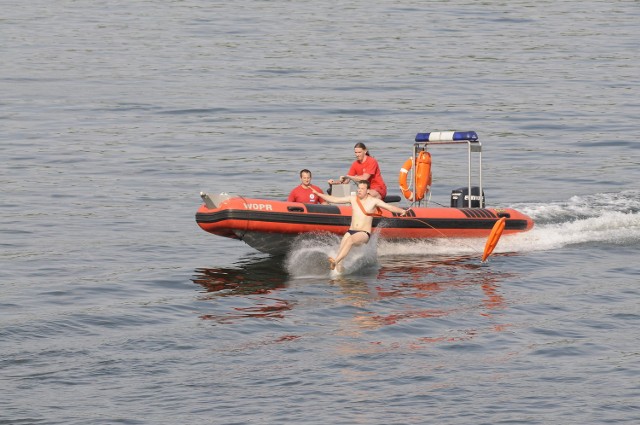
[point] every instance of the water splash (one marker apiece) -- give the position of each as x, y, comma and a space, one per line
309, 256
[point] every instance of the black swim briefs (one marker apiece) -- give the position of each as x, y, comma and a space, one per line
353, 232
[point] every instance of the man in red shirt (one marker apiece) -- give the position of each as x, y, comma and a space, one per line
365, 167
303, 193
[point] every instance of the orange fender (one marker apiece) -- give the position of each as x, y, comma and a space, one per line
493, 238
423, 177
423, 174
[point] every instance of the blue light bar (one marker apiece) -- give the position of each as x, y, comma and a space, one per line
447, 136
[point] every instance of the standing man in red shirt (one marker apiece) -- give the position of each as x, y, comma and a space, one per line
303, 193
365, 167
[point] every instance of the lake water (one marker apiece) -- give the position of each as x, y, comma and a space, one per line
116, 308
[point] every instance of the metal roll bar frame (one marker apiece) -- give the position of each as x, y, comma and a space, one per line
470, 138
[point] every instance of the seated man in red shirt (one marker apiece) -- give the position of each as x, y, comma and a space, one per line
303, 193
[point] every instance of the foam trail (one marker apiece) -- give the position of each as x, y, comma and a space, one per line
587, 206
611, 228
610, 218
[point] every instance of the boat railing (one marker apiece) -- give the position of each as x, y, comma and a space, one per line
424, 140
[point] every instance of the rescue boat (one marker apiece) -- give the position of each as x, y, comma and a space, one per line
271, 226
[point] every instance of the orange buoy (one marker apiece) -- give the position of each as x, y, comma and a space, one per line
423, 174
423, 177
493, 238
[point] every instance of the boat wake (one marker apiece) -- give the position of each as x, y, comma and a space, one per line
604, 218
309, 256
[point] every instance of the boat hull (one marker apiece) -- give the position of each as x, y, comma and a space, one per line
270, 226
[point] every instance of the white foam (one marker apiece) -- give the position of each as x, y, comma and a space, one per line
612, 218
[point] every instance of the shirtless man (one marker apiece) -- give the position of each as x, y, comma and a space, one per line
360, 230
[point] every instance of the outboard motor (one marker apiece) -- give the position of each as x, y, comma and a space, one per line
460, 197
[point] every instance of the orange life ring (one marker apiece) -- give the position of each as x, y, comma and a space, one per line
423, 177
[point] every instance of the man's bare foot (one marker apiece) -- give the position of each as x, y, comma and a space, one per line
332, 263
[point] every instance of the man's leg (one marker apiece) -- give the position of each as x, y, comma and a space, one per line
348, 241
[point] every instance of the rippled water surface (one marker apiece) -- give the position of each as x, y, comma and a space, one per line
116, 308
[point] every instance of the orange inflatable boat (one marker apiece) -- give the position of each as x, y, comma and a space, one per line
271, 225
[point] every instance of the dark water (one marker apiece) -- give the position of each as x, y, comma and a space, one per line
116, 308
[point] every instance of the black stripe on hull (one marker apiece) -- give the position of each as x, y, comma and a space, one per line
334, 220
